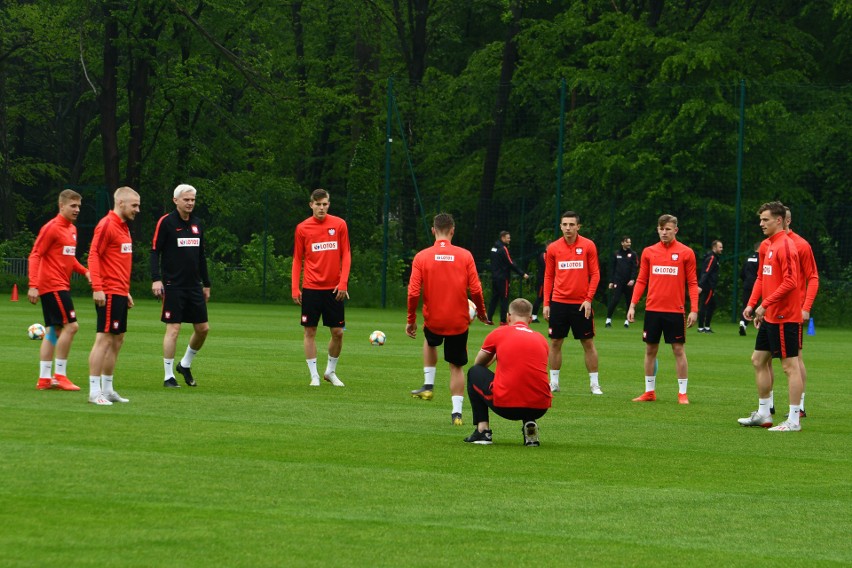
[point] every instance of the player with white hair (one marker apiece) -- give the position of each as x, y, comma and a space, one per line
181, 282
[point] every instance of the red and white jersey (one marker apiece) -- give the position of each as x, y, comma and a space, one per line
111, 256
808, 274
571, 271
53, 257
778, 280
444, 273
520, 379
323, 246
667, 271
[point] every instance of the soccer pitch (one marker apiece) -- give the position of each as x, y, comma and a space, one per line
255, 468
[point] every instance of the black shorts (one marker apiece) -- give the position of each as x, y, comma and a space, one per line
183, 305
455, 346
112, 316
565, 317
780, 339
57, 308
316, 303
669, 324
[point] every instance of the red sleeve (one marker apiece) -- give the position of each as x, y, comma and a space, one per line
95, 260
810, 274
414, 283
692, 280
79, 268
475, 287
549, 274
594, 273
642, 279
298, 251
346, 259
40, 246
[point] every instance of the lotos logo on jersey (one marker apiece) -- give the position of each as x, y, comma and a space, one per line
189, 242
320, 247
675, 256
195, 229
126, 248
767, 270
69, 251
331, 232
578, 250
665, 270
445, 258
570, 265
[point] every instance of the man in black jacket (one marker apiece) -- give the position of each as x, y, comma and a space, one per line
501, 264
623, 270
539, 286
748, 274
707, 280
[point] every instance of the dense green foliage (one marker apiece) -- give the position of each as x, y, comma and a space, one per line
255, 468
258, 102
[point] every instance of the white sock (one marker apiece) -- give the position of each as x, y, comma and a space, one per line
608, 320
331, 365
650, 383
593, 379
168, 368
554, 377
772, 399
312, 367
186, 362
45, 370
793, 417
94, 385
802, 403
106, 384
61, 367
429, 376
457, 404
763, 405
681, 386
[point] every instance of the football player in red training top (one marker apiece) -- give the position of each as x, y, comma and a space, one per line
667, 269
51, 263
519, 388
110, 263
571, 277
181, 282
322, 245
444, 273
776, 308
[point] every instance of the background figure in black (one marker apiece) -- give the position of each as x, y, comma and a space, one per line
539, 286
501, 264
623, 270
707, 279
748, 274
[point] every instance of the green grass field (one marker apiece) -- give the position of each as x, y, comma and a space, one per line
255, 468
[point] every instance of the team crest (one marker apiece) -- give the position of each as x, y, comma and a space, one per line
115, 325
630, 255
675, 256
304, 318
442, 244
578, 250
195, 229
168, 315
331, 231
73, 314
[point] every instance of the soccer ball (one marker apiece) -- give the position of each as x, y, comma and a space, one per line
36, 331
471, 310
377, 338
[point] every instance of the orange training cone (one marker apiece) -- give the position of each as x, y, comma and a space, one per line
14, 292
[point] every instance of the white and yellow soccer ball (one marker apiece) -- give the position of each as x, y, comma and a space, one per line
36, 331
377, 338
471, 310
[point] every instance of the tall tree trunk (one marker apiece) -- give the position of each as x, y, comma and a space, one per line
108, 98
483, 226
9, 217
